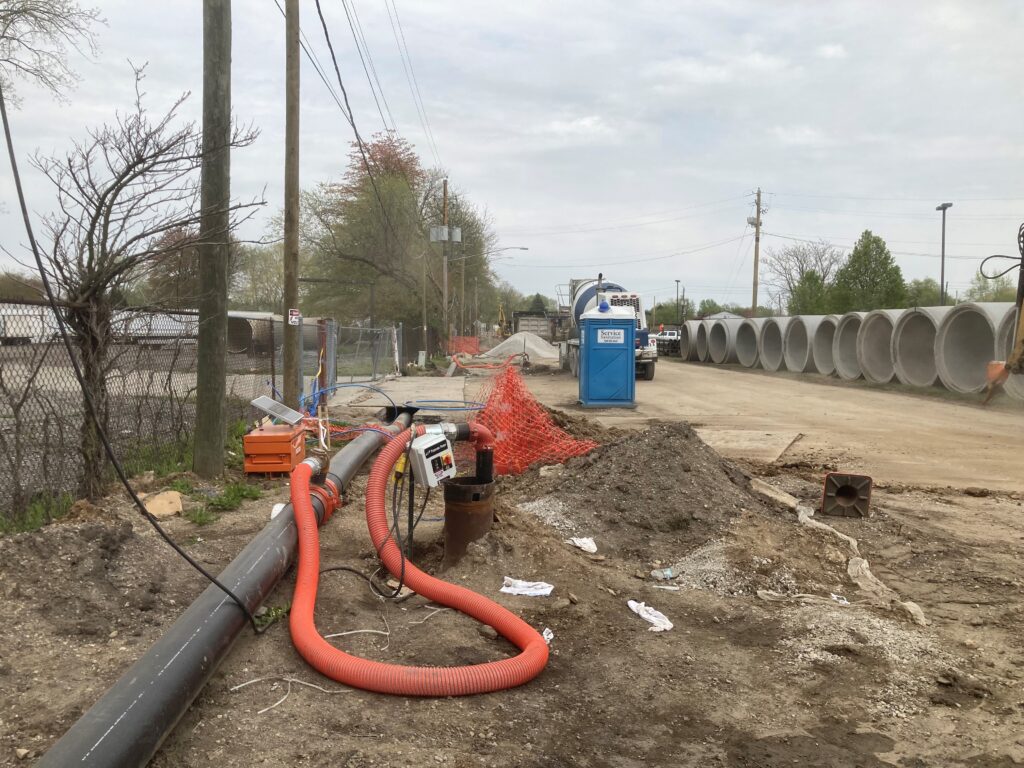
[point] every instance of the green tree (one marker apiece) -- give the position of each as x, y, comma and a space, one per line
258, 282
810, 295
870, 278
923, 293
708, 307
999, 289
537, 303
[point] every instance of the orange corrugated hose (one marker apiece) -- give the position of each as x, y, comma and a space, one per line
394, 678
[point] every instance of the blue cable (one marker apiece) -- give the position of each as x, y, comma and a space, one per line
429, 405
318, 393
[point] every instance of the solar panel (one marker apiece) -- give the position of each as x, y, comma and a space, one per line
271, 407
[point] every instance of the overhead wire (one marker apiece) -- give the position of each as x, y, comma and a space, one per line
410, 77
622, 263
373, 68
350, 116
366, 69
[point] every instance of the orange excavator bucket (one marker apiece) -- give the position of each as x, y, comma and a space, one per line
996, 374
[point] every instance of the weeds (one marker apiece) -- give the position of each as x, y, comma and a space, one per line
44, 507
232, 496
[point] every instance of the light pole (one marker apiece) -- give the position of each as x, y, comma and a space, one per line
678, 308
942, 270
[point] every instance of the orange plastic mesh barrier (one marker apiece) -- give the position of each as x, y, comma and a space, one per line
524, 432
469, 345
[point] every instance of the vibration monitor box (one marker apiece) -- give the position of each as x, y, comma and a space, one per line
274, 448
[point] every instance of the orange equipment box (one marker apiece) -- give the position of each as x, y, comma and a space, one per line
274, 448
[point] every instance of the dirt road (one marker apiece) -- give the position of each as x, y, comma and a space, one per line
894, 435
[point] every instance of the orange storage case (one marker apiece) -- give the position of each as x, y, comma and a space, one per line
274, 448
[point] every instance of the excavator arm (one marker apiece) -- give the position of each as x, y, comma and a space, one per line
999, 370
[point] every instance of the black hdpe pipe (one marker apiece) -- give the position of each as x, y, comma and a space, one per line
129, 723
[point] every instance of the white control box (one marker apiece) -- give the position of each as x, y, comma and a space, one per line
432, 459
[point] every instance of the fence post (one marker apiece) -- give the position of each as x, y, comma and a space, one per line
332, 352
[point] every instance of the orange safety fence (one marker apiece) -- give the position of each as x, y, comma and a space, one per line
524, 431
469, 345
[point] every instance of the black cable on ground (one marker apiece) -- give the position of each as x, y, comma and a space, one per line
90, 406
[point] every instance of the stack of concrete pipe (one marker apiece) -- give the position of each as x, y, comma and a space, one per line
918, 347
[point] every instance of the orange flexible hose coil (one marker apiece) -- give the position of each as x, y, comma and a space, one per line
394, 678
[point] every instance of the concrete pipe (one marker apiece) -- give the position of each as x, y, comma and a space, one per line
913, 345
722, 341
748, 334
966, 344
821, 345
1004, 345
702, 340
874, 345
688, 339
797, 342
844, 345
770, 345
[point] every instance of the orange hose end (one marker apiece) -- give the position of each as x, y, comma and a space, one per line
394, 678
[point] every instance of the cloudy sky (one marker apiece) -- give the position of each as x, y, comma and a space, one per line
625, 137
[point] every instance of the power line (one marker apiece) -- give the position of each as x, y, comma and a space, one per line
410, 78
347, 111
366, 69
373, 68
894, 253
315, 62
898, 199
892, 215
625, 262
602, 227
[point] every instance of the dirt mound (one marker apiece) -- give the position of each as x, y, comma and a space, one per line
583, 428
652, 495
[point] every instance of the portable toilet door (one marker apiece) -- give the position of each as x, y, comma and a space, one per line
608, 357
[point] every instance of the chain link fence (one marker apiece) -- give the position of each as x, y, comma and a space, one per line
150, 374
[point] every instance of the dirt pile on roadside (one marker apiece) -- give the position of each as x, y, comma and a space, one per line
654, 494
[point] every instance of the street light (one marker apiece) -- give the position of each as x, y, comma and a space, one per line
678, 308
942, 270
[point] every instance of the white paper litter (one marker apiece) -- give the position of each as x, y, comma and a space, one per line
586, 543
528, 588
548, 635
839, 599
659, 620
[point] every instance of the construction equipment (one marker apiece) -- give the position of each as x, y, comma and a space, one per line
504, 326
588, 293
999, 370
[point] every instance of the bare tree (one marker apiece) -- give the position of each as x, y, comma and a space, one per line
119, 193
35, 36
786, 267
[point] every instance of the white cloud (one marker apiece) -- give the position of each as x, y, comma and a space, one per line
800, 136
831, 51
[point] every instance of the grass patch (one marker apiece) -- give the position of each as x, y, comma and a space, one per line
160, 459
44, 507
232, 496
182, 486
234, 450
201, 516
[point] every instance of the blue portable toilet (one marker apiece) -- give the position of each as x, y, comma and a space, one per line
607, 357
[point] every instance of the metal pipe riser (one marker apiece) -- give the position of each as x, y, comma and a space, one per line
131, 720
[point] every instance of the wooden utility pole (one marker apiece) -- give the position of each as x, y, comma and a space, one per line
292, 333
426, 348
215, 195
444, 269
757, 251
